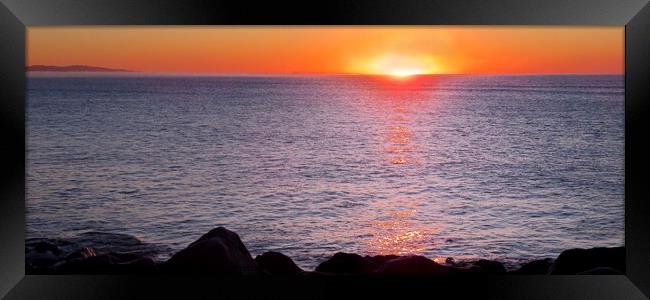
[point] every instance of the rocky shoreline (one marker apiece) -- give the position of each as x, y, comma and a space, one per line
221, 252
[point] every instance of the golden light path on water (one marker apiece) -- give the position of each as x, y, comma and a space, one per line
398, 234
396, 231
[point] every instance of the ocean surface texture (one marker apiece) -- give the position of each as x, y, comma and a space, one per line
502, 167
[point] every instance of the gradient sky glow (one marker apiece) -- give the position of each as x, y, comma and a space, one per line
397, 50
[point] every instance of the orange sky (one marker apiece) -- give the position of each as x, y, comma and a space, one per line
333, 49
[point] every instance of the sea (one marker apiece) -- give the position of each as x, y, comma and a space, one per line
504, 167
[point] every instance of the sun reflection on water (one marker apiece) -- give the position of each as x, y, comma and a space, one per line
397, 233
399, 136
396, 229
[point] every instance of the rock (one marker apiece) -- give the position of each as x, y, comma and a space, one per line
41, 256
219, 251
381, 259
490, 266
412, 265
137, 266
126, 257
87, 265
347, 263
40, 261
535, 267
43, 246
601, 271
314, 274
465, 265
450, 261
277, 263
574, 261
83, 253
92, 244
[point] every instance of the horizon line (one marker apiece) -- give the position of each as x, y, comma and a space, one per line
205, 74
122, 71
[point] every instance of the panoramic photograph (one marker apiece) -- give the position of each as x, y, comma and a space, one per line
325, 150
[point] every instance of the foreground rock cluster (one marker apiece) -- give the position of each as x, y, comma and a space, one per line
221, 252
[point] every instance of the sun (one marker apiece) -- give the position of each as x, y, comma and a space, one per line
402, 66
404, 73
398, 65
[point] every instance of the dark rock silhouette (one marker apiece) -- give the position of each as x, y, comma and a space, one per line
574, 261
450, 261
381, 259
490, 266
219, 251
39, 261
412, 265
535, 267
276, 263
99, 242
42, 254
222, 252
119, 254
44, 246
347, 263
84, 252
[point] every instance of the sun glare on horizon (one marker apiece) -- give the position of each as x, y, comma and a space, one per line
403, 66
404, 73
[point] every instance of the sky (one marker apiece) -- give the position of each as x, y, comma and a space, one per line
394, 50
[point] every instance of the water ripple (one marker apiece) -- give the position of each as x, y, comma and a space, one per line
499, 167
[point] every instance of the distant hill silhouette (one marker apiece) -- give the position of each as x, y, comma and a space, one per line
72, 68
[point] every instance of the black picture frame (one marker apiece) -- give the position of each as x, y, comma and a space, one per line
15, 15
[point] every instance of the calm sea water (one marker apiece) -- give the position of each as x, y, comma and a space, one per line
502, 167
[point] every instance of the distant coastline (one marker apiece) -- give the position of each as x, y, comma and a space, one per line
72, 68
